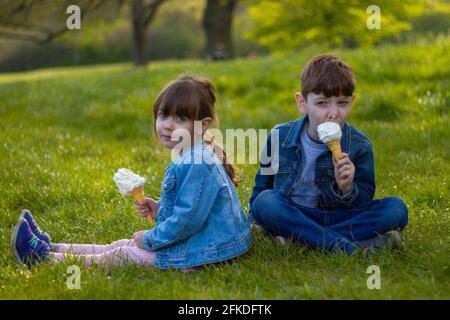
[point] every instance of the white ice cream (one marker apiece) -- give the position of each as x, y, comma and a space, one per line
329, 131
127, 181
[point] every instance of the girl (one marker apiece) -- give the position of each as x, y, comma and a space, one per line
199, 219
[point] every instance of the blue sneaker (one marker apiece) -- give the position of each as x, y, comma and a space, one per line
389, 240
26, 214
26, 248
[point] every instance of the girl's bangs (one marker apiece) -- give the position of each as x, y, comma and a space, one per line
179, 101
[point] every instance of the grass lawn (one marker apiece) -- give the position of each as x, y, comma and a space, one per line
64, 132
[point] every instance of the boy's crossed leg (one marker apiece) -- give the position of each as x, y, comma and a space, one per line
279, 215
370, 220
333, 230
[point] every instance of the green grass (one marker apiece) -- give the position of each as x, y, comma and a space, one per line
64, 132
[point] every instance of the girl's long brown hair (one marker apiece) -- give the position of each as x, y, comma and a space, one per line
192, 97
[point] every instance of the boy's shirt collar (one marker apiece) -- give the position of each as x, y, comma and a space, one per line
293, 137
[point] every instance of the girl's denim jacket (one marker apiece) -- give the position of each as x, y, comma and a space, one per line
200, 219
289, 158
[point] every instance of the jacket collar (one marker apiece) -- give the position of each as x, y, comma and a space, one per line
293, 137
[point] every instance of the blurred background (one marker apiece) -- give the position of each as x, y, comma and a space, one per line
33, 33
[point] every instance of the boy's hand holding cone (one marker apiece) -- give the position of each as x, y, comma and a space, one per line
344, 170
131, 184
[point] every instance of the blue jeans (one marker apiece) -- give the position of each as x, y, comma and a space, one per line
334, 230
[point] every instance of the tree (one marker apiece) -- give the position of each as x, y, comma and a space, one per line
142, 14
41, 21
287, 24
217, 23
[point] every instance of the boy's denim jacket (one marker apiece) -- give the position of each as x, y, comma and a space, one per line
290, 156
200, 219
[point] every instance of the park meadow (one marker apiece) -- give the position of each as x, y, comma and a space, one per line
64, 132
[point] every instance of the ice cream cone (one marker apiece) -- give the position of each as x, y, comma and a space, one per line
331, 134
335, 147
138, 194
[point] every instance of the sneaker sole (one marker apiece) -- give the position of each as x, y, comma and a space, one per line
396, 239
281, 240
13, 248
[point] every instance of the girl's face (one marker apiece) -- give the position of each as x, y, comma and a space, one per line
172, 130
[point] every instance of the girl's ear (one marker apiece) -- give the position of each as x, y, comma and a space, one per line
206, 122
301, 103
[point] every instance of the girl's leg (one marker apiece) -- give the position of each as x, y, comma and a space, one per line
90, 248
116, 256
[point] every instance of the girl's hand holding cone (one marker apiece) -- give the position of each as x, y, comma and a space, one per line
147, 208
131, 184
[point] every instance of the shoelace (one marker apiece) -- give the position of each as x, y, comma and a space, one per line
35, 226
39, 231
33, 242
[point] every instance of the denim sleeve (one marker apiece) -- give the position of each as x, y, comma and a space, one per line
262, 181
195, 197
363, 187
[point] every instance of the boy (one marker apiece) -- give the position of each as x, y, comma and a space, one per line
313, 198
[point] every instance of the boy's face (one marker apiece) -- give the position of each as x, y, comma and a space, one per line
320, 109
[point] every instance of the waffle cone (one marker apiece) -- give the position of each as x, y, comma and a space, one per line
138, 194
335, 147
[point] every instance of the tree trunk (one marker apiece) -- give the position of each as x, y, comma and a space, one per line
140, 54
217, 22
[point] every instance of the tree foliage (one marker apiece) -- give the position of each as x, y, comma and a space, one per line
40, 21
288, 24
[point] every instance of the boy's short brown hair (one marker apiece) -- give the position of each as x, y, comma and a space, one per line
327, 74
